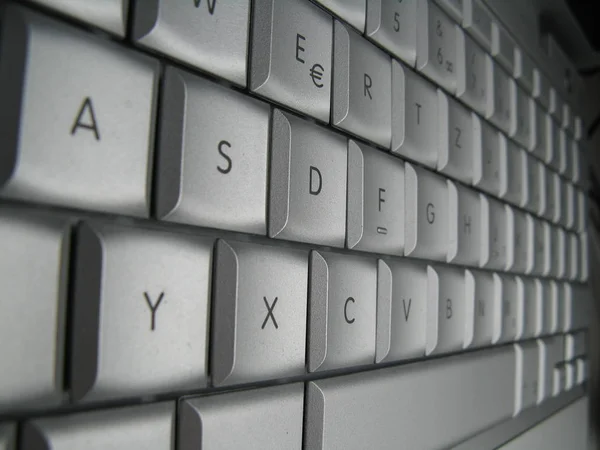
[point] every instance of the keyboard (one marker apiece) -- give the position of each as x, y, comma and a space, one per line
285, 224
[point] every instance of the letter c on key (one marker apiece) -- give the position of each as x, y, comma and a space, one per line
348, 300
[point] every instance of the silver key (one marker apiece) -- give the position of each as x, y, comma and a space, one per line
547, 297
535, 174
552, 194
393, 25
258, 313
514, 174
541, 88
140, 296
436, 45
520, 126
352, 11
110, 15
553, 152
564, 165
573, 258
454, 8
456, 130
342, 297
529, 289
149, 427
542, 140
494, 234
584, 252
471, 78
541, 234
556, 106
512, 309
401, 309
483, 291
291, 55
487, 160
426, 214
8, 436
523, 69
578, 128
268, 418
415, 119
464, 213
308, 182
576, 165
212, 160
33, 274
498, 109
477, 20
520, 254
527, 373
362, 83
375, 219
81, 137
559, 252
582, 210
503, 47
210, 35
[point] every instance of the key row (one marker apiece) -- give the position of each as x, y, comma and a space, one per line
149, 297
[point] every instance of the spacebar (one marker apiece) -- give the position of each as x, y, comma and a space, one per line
426, 405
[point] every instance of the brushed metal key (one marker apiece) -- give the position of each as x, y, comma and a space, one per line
488, 158
212, 156
77, 131
494, 234
471, 78
135, 427
308, 182
258, 313
140, 296
499, 105
464, 213
291, 55
362, 86
210, 35
352, 11
257, 419
375, 218
483, 291
33, 275
8, 436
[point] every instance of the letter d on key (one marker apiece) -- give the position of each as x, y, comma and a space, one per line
316, 181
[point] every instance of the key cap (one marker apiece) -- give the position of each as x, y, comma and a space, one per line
556, 106
581, 371
529, 289
110, 15
550, 353
352, 11
541, 88
379, 398
574, 345
582, 211
570, 376
212, 167
258, 313
426, 214
520, 126
268, 418
342, 297
494, 234
33, 274
576, 166
375, 220
401, 310
559, 252
393, 25
362, 78
584, 263
436, 45
8, 436
209, 35
551, 181
563, 149
307, 199
580, 305
521, 253
536, 185
471, 84
550, 300
454, 8
578, 128
464, 225
553, 153
483, 290
498, 109
415, 117
567, 118
543, 240
503, 47
140, 296
523, 69
148, 426
456, 139
487, 160
526, 372
543, 144
514, 179
559, 379
291, 55
573, 259
477, 21
82, 137
513, 309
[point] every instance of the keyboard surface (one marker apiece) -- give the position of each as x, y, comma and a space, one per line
285, 224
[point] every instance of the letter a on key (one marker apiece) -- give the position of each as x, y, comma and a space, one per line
86, 119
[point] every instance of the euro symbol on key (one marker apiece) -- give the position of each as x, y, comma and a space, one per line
316, 73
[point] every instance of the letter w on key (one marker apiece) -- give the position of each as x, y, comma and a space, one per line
270, 315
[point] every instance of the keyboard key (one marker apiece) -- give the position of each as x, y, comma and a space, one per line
483, 290
540, 122
535, 187
464, 225
374, 403
498, 109
436, 45
578, 128
512, 309
415, 119
342, 297
487, 160
553, 153
454, 8
520, 126
82, 137
584, 264
572, 256
582, 211
556, 106
362, 81
542, 240
558, 252
541, 88
268, 418
503, 47
552, 313
563, 150
426, 214
148, 426
110, 15
140, 296
529, 290
551, 199
471, 77
258, 313
33, 271
521, 253
291, 55
551, 352
308, 182
209, 35
352, 11
514, 174
393, 25
8, 436
494, 234
581, 370
527, 373
375, 221
401, 310
477, 21
524, 70
575, 345
212, 160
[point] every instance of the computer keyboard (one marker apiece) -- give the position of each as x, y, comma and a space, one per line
283, 224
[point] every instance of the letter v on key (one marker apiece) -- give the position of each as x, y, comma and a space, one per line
153, 308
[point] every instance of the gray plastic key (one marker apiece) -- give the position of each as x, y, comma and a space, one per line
464, 226
514, 175
77, 130
258, 419
512, 309
488, 163
523, 69
8, 436
258, 313
536, 183
210, 35
494, 234
110, 15
483, 291
352, 11
415, 119
375, 219
471, 78
503, 47
541, 88
499, 105
362, 84
454, 8
393, 25
519, 253
541, 132
140, 296
148, 427
520, 124
531, 297
291, 55
33, 276
527, 372
477, 21
212, 156
401, 309
342, 298
307, 199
